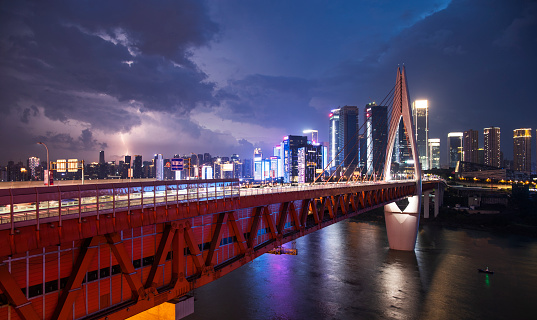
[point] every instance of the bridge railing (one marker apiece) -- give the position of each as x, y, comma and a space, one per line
24, 206
50, 204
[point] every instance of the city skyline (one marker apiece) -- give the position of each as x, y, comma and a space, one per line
241, 74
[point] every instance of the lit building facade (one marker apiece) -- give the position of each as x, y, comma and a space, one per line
470, 146
376, 137
420, 114
434, 153
492, 146
314, 135
454, 148
333, 137
522, 150
258, 170
343, 137
33, 164
291, 144
159, 167
310, 158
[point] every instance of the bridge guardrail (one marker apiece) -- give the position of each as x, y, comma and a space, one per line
50, 204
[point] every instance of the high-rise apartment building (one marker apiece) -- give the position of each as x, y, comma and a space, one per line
522, 150
492, 146
420, 115
101, 157
470, 146
434, 153
454, 148
376, 137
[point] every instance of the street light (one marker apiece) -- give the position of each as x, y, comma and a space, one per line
48, 172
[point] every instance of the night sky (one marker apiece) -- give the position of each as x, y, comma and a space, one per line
146, 77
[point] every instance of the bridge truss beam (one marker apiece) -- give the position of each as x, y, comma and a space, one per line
119, 274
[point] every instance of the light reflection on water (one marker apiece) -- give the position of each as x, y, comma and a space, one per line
346, 271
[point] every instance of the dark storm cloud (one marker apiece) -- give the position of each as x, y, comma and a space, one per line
270, 100
84, 142
91, 61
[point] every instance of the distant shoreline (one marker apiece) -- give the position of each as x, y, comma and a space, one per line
502, 223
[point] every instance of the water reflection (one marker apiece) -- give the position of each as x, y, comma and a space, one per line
346, 271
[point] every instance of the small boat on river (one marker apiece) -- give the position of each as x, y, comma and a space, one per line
486, 271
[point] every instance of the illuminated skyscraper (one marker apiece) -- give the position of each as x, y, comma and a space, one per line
258, 170
470, 146
492, 146
434, 153
159, 167
33, 163
454, 148
314, 135
522, 150
343, 137
333, 137
376, 137
420, 115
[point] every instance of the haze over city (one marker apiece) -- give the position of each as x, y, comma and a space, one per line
225, 77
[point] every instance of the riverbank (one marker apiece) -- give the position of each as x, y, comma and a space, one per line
502, 223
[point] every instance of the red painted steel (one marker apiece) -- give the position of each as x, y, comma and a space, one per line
119, 252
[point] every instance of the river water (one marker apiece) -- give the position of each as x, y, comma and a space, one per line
346, 271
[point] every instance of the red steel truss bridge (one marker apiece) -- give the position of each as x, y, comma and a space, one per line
110, 251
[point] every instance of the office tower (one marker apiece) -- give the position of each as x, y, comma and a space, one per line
101, 157
454, 148
291, 144
207, 171
313, 134
247, 166
348, 138
333, 138
207, 158
310, 158
128, 161
33, 163
402, 153
470, 146
258, 157
137, 167
420, 115
434, 153
522, 150
492, 146
376, 137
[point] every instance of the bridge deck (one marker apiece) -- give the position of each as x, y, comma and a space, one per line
113, 250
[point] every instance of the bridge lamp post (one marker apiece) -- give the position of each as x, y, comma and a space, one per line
48, 171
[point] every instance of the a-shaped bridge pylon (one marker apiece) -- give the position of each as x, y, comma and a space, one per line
402, 226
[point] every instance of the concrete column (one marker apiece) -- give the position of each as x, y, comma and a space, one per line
438, 199
402, 227
426, 204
